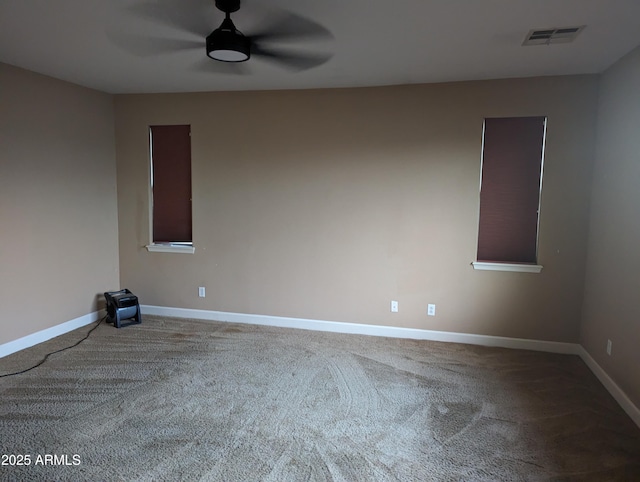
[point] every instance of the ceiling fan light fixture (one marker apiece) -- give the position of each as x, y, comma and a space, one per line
227, 44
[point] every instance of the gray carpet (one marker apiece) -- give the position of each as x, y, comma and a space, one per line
187, 400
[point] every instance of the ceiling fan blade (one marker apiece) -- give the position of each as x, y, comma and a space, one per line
288, 25
191, 16
288, 59
210, 66
152, 46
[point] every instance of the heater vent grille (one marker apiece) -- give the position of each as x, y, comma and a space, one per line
547, 36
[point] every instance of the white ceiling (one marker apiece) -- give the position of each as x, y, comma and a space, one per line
375, 42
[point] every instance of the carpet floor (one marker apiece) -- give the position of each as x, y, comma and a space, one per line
187, 400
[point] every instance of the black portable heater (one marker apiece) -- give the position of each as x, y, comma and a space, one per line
122, 305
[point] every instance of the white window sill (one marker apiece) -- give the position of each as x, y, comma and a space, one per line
171, 248
518, 267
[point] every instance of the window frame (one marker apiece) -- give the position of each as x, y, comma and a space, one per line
510, 266
184, 247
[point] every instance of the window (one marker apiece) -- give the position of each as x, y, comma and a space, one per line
512, 161
170, 147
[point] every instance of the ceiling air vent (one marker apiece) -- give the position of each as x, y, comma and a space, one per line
552, 35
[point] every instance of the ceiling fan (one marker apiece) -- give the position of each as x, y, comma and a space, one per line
226, 43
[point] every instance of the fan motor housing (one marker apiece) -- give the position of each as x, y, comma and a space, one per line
228, 46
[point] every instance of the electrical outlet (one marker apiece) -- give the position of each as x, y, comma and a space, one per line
394, 307
431, 310
609, 347
201, 292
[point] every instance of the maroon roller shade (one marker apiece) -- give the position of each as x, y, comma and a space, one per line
171, 162
510, 192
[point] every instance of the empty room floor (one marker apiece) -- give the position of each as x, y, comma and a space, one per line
188, 400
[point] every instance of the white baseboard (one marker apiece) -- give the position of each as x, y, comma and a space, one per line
616, 392
360, 329
47, 334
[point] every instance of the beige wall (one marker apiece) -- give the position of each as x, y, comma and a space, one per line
328, 204
612, 289
58, 242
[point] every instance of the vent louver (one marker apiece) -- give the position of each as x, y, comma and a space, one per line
552, 35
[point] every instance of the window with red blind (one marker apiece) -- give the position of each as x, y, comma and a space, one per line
513, 150
171, 183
